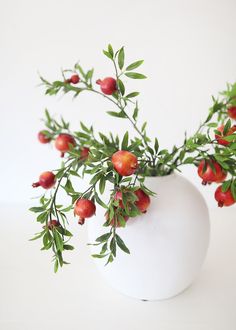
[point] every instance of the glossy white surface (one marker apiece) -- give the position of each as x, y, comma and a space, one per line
168, 244
32, 297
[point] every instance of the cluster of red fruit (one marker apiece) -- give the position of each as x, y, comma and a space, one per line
124, 162
108, 85
211, 171
63, 143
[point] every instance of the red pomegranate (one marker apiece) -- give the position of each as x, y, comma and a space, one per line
224, 198
64, 142
125, 163
220, 138
84, 208
232, 112
46, 180
84, 152
43, 138
107, 85
52, 224
143, 201
209, 176
74, 79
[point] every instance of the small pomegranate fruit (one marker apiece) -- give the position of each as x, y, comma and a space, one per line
209, 176
232, 112
143, 201
52, 224
84, 208
84, 152
220, 138
46, 180
125, 163
224, 198
43, 138
115, 222
107, 85
74, 79
63, 143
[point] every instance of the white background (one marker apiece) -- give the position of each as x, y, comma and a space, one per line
189, 51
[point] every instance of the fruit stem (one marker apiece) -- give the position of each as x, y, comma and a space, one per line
81, 221
36, 184
220, 203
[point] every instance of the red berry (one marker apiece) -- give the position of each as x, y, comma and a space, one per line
209, 176
46, 180
74, 79
143, 201
53, 223
64, 142
224, 198
84, 208
107, 85
84, 152
220, 137
232, 112
43, 138
125, 163
115, 222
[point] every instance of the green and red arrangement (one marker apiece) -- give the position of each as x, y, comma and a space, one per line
123, 162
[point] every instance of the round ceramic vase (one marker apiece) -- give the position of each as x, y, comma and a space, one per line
167, 245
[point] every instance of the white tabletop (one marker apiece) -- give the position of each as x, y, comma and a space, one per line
32, 297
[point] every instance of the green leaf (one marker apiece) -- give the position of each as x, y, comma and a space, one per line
125, 141
103, 238
133, 94
233, 189
68, 247
156, 145
227, 127
108, 54
110, 50
121, 244
104, 248
113, 246
189, 160
134, 65
96, 178
48, 116
79, 68
143, 126
99, 255
42, 217
135, 75
226, 185
99, 201
84, 128
121, 86
58, 241
120, 114
110, 259
64, 231
37, 236
135, 113
121, 58
56, 264
37, 209
102, 184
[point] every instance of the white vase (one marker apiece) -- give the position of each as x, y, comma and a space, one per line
167, 245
